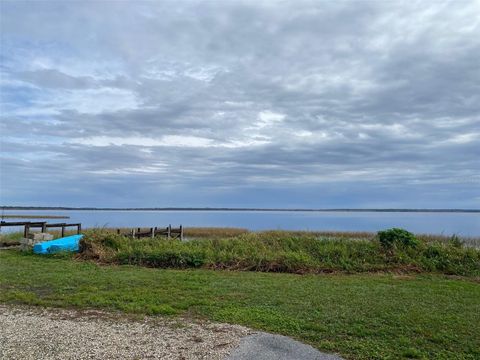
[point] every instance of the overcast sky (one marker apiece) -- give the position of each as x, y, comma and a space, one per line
241, 103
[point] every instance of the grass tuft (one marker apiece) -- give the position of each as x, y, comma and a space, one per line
278, 251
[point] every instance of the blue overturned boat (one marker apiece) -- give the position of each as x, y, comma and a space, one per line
68, 243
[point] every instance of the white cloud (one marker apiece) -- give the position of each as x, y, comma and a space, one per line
117, 141
266, 119
464, 138
183, 141
159, 69
139, 170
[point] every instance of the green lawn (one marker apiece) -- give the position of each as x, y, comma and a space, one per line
359, 316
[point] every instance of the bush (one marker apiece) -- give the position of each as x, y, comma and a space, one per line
396, 237
455, 241
277, 251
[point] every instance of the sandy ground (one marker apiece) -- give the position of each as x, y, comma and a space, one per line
36, 333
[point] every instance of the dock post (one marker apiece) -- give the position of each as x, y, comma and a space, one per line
44, 227
181, 233
63, 230
169, 231
133, 233
26, 230
152, 232
79, 229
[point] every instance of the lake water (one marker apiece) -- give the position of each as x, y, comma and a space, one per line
462, 224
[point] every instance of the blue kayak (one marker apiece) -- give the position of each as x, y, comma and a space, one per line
68, 243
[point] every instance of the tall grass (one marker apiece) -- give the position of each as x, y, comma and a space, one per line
213, 232
13, 238
278, 251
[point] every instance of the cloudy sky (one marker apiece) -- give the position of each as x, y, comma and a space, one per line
240, 103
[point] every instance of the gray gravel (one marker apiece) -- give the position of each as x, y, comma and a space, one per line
35, 333
263, 346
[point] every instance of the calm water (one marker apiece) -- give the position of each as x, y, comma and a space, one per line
462, 224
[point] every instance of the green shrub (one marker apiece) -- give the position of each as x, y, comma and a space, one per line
455, 241
276, 251
296, 262
396, 237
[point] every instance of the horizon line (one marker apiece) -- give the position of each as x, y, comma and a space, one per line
9, 207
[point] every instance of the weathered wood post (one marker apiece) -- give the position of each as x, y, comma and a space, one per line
26, 230
44, 227
133, 233
63, 230
152, 232
169, 231
181, 232
79, 229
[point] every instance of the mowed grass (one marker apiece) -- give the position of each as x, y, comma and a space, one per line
366, 316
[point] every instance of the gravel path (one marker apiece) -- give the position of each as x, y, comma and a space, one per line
35, 333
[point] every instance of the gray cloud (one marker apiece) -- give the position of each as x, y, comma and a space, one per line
296, 97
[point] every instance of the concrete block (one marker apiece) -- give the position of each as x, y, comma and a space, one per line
40, 236
47, 237
26, 244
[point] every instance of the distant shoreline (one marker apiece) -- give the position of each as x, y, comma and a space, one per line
41, 208
25, 216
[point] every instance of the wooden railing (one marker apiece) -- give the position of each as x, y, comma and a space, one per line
169, 232
27, 225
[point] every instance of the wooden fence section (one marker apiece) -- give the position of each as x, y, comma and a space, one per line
27, 225
169, 232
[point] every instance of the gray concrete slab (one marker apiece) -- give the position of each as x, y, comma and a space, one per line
264, 346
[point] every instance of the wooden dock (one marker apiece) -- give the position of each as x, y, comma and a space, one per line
168, 232
43, 225
136, 233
